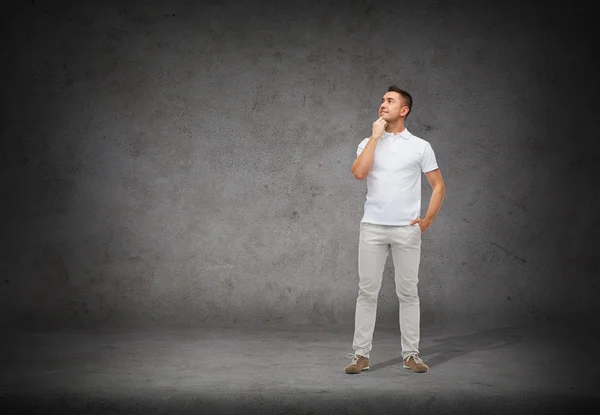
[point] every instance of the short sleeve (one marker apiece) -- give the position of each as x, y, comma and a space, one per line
361, 146
428, 161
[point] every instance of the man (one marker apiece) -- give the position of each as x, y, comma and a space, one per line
392, 160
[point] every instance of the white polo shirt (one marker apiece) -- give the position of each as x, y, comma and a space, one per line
394, 182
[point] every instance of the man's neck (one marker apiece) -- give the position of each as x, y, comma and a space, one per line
395, 128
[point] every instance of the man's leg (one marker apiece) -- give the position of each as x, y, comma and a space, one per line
406, 253
372, 254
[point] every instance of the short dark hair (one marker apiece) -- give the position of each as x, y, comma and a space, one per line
405, 95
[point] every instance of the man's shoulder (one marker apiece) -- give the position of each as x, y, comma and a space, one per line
418, 139
364, 142
419, 142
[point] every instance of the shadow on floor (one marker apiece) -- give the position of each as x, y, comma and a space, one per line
450, 347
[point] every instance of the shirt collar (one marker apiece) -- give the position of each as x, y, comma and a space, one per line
404, 134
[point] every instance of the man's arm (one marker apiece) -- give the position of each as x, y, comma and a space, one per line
364, 162
435, 203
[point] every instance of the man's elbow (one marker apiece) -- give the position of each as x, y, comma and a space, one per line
358, 175
358, 171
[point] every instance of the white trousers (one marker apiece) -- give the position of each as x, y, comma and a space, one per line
374, 245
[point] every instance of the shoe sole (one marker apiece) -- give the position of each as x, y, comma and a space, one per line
414, 371
351, 373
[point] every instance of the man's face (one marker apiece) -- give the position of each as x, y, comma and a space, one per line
392, 106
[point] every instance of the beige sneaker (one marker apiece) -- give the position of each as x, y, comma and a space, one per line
414, 363
358, 364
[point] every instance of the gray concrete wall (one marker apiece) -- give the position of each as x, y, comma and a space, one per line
188, 163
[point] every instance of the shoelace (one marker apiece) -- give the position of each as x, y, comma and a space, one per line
352, 356
416, 358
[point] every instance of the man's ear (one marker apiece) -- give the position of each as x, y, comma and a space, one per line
404, 111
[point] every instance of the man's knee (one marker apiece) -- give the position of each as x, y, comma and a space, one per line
409, 296
368, 295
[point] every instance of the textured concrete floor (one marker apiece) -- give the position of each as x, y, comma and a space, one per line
295, 370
